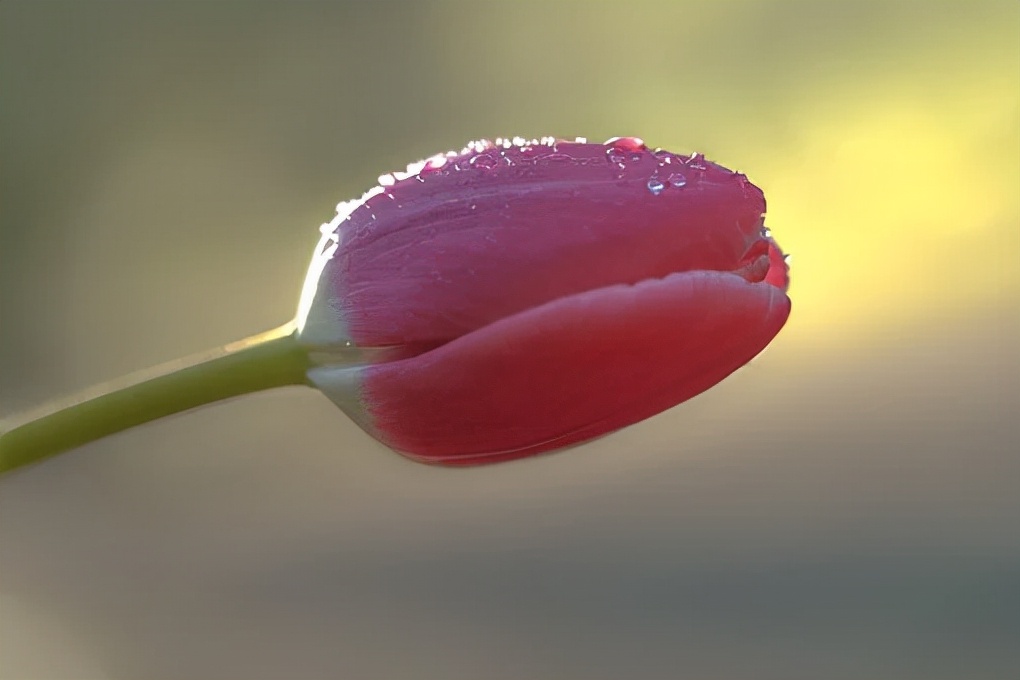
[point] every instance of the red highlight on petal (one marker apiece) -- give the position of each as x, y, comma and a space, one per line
571, 370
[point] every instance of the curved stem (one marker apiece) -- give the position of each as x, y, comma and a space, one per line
271, 359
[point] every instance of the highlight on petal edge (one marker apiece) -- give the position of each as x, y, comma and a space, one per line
522, 296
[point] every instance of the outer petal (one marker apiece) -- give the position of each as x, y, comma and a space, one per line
465, 240
564, 372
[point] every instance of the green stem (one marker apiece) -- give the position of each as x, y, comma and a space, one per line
272, 359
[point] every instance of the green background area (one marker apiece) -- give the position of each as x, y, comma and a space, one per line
844, 507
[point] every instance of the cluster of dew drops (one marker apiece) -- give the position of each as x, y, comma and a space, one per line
622, 154
672, 171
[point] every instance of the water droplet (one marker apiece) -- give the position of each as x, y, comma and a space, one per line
616, 156
434, 164
677, 180
554, 159
697, 162
634, 157
766, 232
528, 153
656, 186
484, 161
627, 143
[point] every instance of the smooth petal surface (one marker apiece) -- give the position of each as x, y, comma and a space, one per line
779, 269
572, 369
463, 240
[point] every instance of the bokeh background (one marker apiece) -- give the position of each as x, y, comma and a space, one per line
845, 507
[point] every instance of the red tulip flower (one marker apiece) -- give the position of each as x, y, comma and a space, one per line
486, 305
521, 297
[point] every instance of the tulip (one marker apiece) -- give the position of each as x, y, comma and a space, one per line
521, 297
511, 299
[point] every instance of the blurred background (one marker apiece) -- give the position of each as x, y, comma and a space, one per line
845, 507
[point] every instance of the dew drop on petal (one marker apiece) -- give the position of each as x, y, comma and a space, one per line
656, 186
433, 164
554, 159
616, 156
677, 180
627, 143
697, 162
483, 161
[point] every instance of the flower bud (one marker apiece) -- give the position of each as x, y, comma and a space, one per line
520, 297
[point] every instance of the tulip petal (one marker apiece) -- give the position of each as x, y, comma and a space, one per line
779, 269
467, 239
564, 372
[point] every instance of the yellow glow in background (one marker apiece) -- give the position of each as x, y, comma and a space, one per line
895, 183
905, 204
846, 507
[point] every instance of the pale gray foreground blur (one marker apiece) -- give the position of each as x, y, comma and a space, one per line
844, 507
